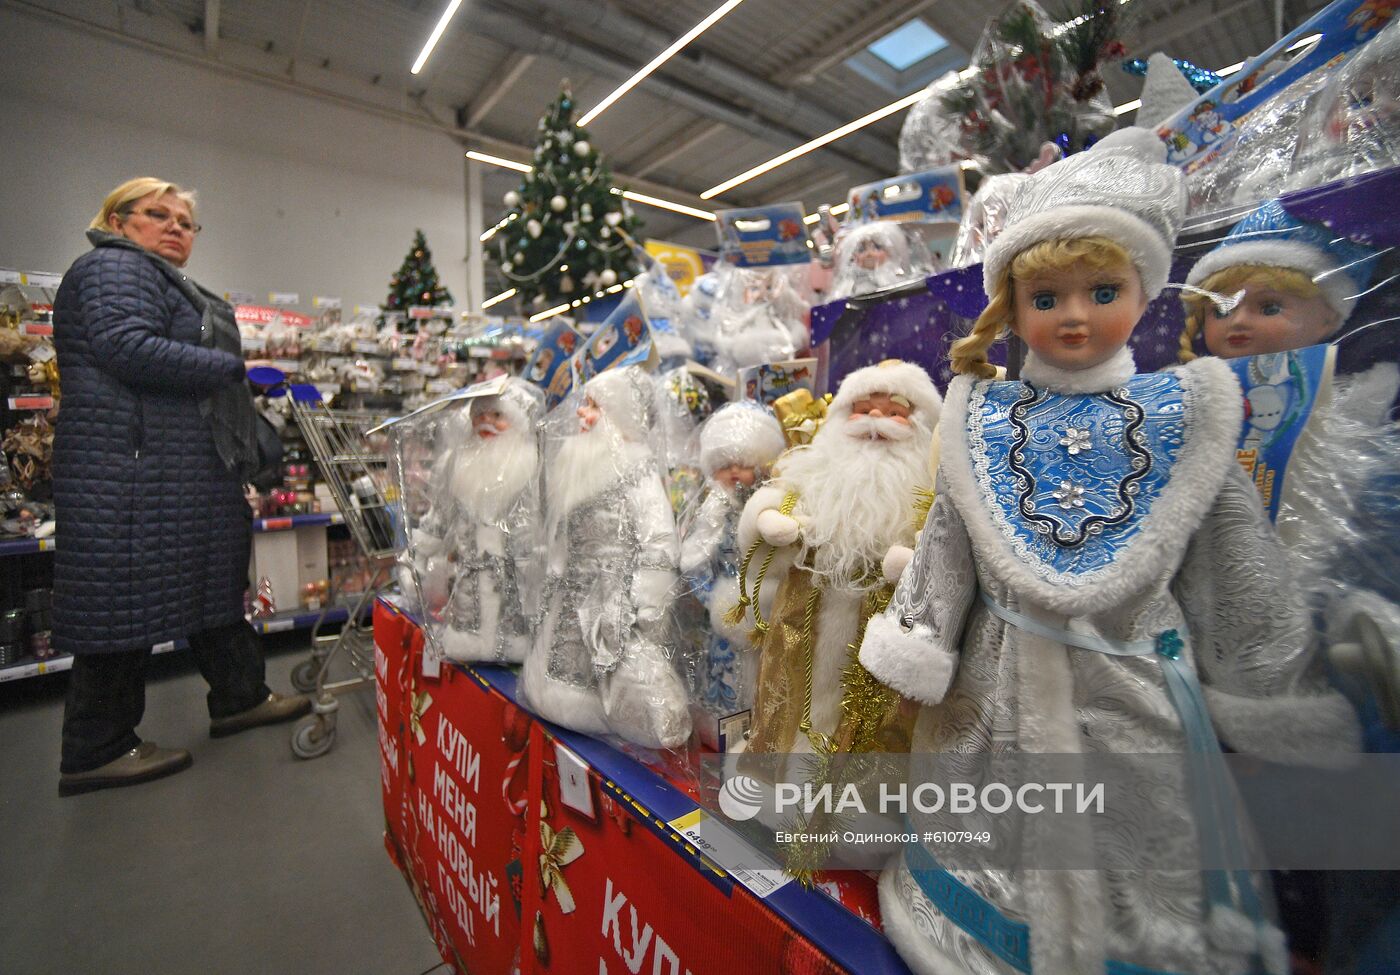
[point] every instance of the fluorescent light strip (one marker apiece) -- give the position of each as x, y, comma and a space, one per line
836, 211
816, 143
1127, 107
489, 302
498, 161
653, 201
496, 229
556, 310
435, 36
659, 60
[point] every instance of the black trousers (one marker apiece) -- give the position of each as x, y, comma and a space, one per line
107, 692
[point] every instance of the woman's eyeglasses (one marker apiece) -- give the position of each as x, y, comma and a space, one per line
164, 217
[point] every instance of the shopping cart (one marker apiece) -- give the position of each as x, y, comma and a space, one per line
356, 466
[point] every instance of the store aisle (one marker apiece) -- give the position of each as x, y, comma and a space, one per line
251, 861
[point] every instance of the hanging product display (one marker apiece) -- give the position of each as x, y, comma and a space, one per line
602, 657
1037, 81
738, 446
1089, 508
567, 228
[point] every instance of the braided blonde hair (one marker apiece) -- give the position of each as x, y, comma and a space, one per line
969, 354
1229, 280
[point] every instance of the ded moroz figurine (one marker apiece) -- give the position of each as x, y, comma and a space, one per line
1097, 577
601, 658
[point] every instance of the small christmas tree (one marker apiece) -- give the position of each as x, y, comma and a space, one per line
416, 281
565, 235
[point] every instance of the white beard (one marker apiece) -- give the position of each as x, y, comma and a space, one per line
487, 475
587, 464
856, 496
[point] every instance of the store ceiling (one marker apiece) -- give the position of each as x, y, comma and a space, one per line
767, 77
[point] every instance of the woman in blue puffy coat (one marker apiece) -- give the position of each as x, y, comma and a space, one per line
153, 443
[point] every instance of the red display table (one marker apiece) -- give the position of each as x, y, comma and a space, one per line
533, 849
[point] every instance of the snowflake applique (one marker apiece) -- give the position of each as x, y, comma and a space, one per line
1069, 495
1076, 440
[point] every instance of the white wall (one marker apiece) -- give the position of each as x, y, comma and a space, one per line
295, 194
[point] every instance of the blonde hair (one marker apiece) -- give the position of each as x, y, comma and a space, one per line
121, 198
1228, 281
969, 354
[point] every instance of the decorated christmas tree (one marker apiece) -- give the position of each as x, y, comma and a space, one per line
563, 239
416, 281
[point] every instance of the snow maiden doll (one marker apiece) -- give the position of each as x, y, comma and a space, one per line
1096, 577
601, 658
738, 446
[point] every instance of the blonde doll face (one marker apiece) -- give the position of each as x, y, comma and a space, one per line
1077, 317
1268, 320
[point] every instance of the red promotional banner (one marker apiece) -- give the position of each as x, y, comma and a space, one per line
525, 859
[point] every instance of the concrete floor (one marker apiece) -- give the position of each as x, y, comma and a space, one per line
251, 861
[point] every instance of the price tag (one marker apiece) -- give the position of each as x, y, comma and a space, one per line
9, 275
36, 328
368, 346
403, 363
721, 845
278, 626
438, 386
420, 311
165, 647
42, 353
283, 298
429, 368
41, 279
240, 297
321, 301
477, 352
31, 402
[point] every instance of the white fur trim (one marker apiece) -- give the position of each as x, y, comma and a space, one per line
907, 662
724, 597
1273, 951
921, 955
892, 378
766, 498
740, 434
1214, 412
1150, 253
1339, 290
577, 708
1132, 140
1096, 379
1229, 930
1318, 730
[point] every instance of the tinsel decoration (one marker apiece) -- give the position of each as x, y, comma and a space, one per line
1202, 79
552, 253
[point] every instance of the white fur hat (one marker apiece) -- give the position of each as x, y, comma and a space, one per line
1121, 189
625, 396
893, 377
1272, 237
522, 402
740, 433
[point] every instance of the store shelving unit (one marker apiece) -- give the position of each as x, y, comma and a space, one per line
285, 622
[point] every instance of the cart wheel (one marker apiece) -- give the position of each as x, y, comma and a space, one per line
313, 737
304, 675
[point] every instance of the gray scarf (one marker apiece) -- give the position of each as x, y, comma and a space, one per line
229, 409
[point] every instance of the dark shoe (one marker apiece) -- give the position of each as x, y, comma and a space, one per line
143, 763
275, 710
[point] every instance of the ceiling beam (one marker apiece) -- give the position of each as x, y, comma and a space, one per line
876, 24
609, 25
649, 162
495, 90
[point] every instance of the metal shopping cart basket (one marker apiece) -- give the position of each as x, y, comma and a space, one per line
355, 464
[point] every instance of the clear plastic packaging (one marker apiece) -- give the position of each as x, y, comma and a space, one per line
929, 137
683, 403
872, 257
758, 316
985, 217
738, 446
696, 322
602, 659
470, 477
1353, 125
